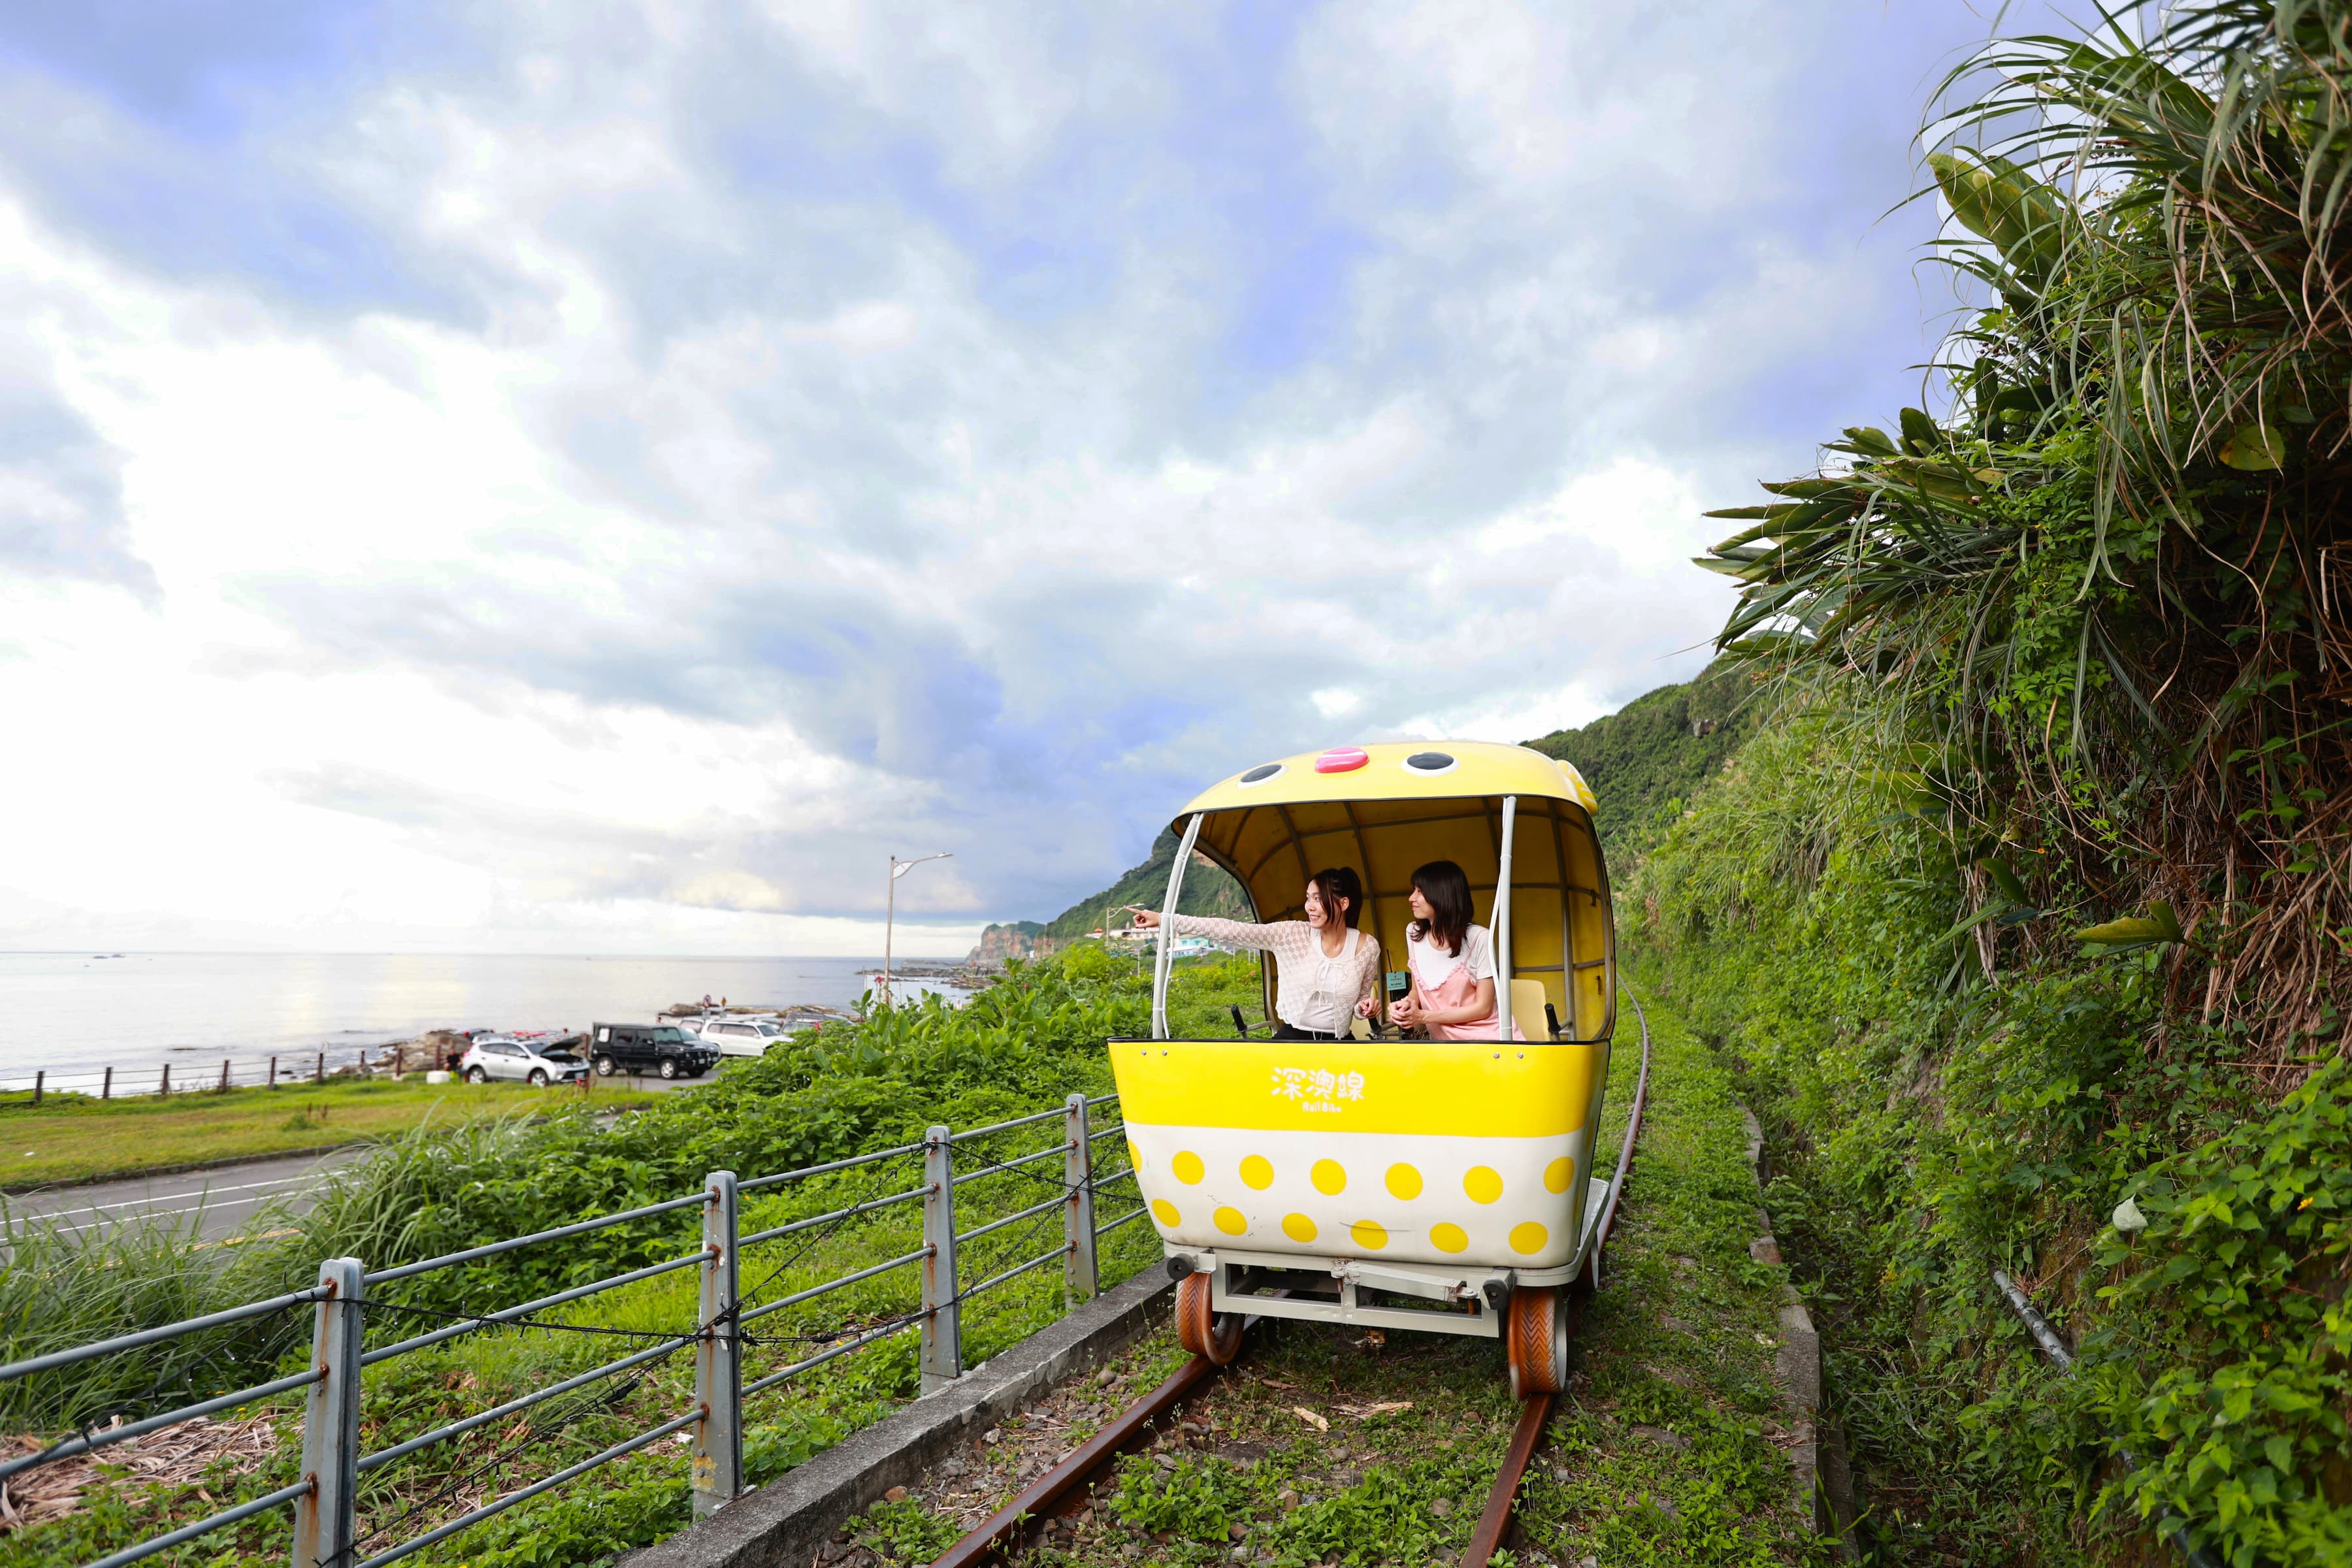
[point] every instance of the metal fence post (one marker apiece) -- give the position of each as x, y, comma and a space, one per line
326, 1518
1079, 1279
942, 1352
719, 1353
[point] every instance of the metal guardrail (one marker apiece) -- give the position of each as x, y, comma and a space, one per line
324, 1500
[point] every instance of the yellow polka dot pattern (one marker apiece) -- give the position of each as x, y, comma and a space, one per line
1518, 1214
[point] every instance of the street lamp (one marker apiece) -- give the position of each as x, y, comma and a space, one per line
890, 910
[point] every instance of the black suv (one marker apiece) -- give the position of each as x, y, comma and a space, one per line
649, 1048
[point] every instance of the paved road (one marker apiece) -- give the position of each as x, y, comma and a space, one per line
218, 1202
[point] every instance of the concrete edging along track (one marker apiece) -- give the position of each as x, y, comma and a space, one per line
784, 1523
1825, 1491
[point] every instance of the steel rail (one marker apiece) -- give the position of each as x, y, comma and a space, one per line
86, 1442
1494, 1521
55, 1359
603, 1222
1062, 1484
1057, 1489
509, 1314
1632, 1130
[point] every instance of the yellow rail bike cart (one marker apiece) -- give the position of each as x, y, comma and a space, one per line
1439, 1185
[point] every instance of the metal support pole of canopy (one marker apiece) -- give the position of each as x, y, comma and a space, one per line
1163, 958
1502, 929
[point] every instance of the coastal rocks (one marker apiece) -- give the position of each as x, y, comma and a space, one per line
1024, 940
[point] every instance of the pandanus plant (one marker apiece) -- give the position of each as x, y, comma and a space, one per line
2108, 589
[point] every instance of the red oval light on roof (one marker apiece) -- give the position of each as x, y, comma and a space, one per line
1341, 760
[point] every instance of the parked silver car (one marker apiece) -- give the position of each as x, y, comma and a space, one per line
741, 1037
526, 1061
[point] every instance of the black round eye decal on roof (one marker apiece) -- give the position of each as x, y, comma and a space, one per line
1259, 776
1431, 762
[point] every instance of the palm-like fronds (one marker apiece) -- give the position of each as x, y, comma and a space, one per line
2111, 583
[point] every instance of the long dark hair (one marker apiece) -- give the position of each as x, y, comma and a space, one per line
1443, 883
1335, 883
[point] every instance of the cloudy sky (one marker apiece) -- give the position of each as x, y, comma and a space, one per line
601, 477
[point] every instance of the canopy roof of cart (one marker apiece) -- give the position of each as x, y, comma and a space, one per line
1386, 809
1398, 769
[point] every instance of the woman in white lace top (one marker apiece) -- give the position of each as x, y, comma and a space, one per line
1328, 972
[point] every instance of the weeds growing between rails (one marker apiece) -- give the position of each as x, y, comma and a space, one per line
1016, 1047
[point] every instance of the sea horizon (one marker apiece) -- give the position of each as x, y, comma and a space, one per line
80, 1010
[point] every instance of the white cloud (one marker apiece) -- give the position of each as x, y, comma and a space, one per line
763, 446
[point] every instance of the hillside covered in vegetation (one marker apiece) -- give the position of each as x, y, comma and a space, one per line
1208, 890
2025, 921
1646, 760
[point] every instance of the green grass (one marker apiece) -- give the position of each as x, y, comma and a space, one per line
1664, 1453
74, 1137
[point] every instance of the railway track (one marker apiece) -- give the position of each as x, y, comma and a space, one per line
1068, 1485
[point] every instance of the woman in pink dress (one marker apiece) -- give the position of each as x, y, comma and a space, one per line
1451, 961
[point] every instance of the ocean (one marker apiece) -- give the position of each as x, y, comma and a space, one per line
75, 1014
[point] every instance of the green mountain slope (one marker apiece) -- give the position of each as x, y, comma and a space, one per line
1208, 890
1650, 756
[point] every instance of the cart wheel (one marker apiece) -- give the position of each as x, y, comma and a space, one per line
1537, 1337
1216, 1335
